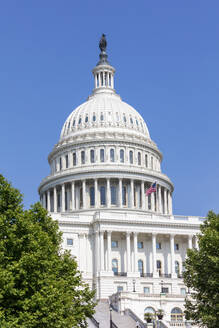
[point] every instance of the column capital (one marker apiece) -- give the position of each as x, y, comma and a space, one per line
109, 232
135, 233
102, 232
128, 233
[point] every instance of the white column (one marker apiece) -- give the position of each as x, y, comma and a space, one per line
165, 201
152, 201
120, 193
97, 250
132, 193
128, 253
108, 79
154, 257
101, 251
159, 199
96, 193
190, 241
112, 81
63, 197
146, 200
73, 195
85, 252
84, 193
44, 200
142, 196
170, 204
196, 242
172, 252
109, 256
135, 252
95, 77
108, 196
55, 199
48, 201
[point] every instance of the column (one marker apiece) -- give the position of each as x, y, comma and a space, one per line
196, 242
85, 252
108, 79
152, 201
120, 193
135, 251
142, 196
73, 195
159, 200
132, 193
55, 199
154, 259
109, 256
48, 201
128, 253
84, 193
172, 252
63, 197
96, 193
108, 195
165, 201
170, 204
101, 251
97, 258
190, 241
44, 200
112, 81
95, 80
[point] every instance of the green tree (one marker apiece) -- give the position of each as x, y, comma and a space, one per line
40, 285
202, 275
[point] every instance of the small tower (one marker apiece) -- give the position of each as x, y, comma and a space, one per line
103, 72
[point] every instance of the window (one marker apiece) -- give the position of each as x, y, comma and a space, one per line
124, 196
94, 117
115, 266
101, 117
182, 291
158, 264
176, 247
140, 244
74, 159
59, 200
92, 196
81, 198
86, 119
139, 158
119, 289
102, 159
113, 195
73, 123
66, 161
102, 195
149, 310
69, 242
92, 159
131, 120
121, 156
140, 267
124, 118
136, 122
79, 121
114, 243
165, 290
131, 157
112, 155
146, 160
60, 163
176, 314
158, 246
177, 267
83, 157
146, 290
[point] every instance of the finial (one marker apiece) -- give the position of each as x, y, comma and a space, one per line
103, 55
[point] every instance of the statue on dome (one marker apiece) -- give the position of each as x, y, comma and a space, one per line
103, 43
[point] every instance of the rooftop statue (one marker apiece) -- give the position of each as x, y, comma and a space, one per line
103, 43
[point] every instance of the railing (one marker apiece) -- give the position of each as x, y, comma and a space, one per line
120, 274
165, 275
177, 324
148, 274
114, 325
96, 324
135, 318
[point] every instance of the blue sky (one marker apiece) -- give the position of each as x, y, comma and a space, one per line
166, 58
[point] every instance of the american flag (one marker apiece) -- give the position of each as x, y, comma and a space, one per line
151, 189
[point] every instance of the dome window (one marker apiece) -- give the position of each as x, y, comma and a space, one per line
139, 158
102, 157
92, 196
102, 195
124, 196
94, 117
101, 117
60, 163
69, 125
113, 195
131, 120
74, 159
86, 119
79, 122
112, 155
92, 158
121, 156
146, 160
152, 163
124, 118
137, 122
73, 123
66, 161
131, 157
83, 157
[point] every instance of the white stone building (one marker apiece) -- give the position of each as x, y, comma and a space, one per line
129, 246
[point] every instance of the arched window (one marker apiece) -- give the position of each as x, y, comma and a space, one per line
79, 121
177, 267
60, 163
140, 267
113, 195
124, 118
92, 196
112, 155
102, 157
92, 158
131, 120
146, 160
94, 117
74, 159
66, 161
101, 117
136, 122
121, 156
139, 158
151, 310
83, 157
124, 196
176, 314
86, 119
115, 266
102, 195
131, 157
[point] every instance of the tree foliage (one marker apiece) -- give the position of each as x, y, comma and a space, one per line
40, 285
202, 275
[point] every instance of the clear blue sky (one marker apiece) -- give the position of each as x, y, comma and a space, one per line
166, 54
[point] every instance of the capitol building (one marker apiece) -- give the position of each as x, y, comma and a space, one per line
129, 246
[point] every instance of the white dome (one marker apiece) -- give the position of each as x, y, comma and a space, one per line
101, 110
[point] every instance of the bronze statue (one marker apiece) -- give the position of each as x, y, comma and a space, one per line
103, 43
